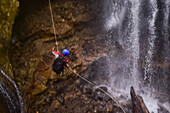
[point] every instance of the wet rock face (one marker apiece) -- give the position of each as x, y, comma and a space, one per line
3, 108
32, 44
8, 9
37, 19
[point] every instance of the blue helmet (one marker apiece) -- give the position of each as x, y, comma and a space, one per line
65, 52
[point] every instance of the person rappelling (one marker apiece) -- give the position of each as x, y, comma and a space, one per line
60, 60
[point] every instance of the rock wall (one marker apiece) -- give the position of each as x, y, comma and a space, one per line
8, 10
33, 39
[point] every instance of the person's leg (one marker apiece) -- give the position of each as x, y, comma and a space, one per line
56, 71
63, 74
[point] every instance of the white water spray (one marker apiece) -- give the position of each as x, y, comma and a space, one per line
134, 39
116, 16
130, 40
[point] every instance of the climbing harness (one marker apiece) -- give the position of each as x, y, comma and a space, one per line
100, 89
52, 20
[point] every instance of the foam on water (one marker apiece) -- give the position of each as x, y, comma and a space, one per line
150, 101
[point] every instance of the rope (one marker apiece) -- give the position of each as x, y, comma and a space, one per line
52, 20
101, 90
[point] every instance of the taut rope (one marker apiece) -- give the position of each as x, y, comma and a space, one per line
100, 89
52, 19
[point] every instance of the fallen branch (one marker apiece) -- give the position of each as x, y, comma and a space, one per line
137, 103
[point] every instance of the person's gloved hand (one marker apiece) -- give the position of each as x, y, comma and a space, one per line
56, 43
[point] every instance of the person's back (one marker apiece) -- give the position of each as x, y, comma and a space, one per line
60, 60
59, 64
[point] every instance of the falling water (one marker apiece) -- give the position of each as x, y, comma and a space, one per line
135, 40
9, 94
128, 36
117, 13
166, 51
133, 23
151, 39
9, 98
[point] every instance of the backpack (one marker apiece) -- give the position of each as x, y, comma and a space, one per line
58, 64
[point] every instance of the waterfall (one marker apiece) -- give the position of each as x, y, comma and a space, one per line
9, 96
124, 19
134, 25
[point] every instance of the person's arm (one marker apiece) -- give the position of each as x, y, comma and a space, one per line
56, 44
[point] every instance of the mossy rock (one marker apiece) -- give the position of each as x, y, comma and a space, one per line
8, 10
39, 89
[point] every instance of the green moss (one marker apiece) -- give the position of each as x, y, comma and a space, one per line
8, 10
39, 89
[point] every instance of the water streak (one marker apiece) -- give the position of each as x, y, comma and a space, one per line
151, 39
9, 98
166, 51
117, 14
134, 38
17, 90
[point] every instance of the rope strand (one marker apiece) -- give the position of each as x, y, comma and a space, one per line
52, 19
101, 90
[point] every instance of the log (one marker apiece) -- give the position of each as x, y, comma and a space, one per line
144, 108
135, 102
138, 104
